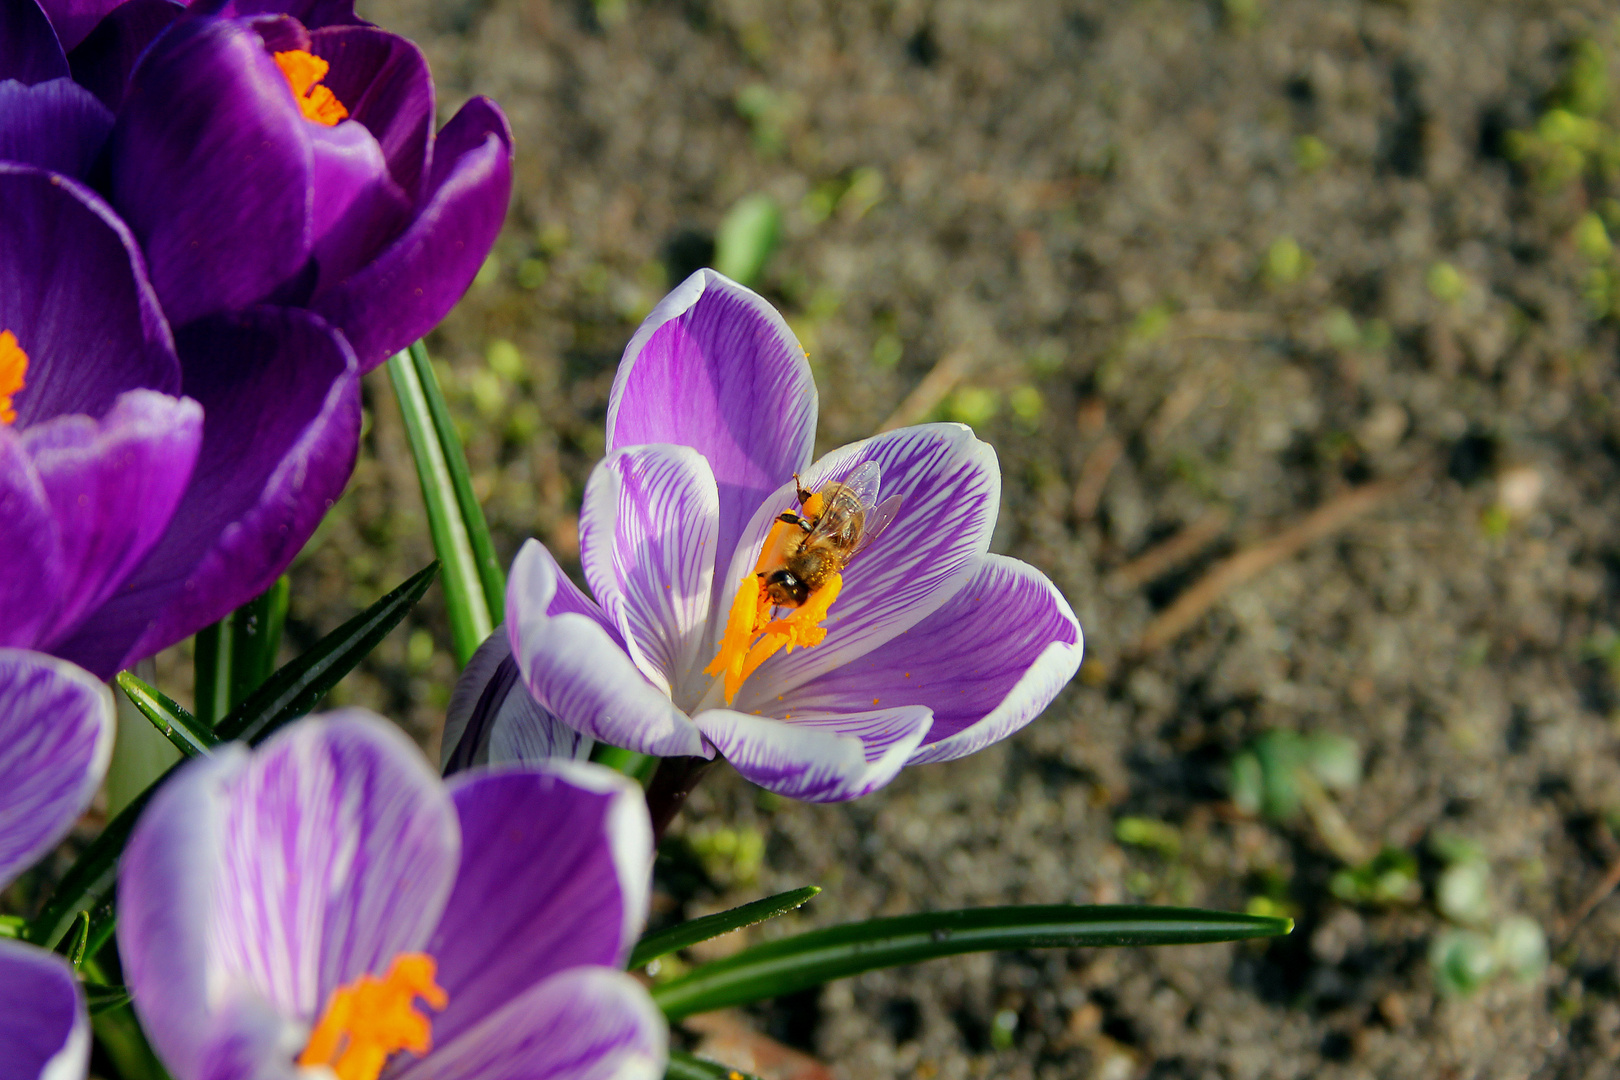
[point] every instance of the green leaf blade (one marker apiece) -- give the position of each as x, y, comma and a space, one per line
182, 729
686, 934
796, 963
684, 1066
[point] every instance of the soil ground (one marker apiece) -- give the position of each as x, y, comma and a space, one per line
1190, 257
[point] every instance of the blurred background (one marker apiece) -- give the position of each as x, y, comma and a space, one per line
1294, 326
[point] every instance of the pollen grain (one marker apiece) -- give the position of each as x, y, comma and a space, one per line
13, 367
304, 72
369, 1019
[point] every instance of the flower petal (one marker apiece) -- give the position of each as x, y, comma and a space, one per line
494, 714
102, 62
575, 665
211, 168
43, 1024
281, 409
281, 874
73, 291
32, 546
74, 19
113, 487
950, 488
57, 125
818, 757
714, 367
407, 289
986, 663
358, 208
56, 731
30, 51
588, 1023
647, 545
384, 82
556, 861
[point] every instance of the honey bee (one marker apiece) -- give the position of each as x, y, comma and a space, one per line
846, 519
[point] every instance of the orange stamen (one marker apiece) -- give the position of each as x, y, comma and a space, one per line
303, 72
13, 366
369, 1019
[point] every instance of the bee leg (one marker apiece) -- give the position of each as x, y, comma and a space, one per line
804, 496
790, 518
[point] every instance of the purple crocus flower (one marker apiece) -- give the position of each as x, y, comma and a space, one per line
326, 900
931, 648
56, 729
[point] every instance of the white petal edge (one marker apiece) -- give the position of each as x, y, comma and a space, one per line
819, 758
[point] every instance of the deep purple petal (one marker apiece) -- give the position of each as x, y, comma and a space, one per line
102, 62
950, 488
986, 663
74, 292
56, 730
44, 1030
384, 82
57, 125
211, 167
556, 860
74, 19
714, 367
312, 13
587, 1023
575, 666
646, 543
281, 407
30, 51
358, 207
30, 547
818, 758
281, 875
113, 486
492, 709
418, 278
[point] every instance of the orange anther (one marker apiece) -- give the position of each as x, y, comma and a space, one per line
371, 1018
303, 72
13, 366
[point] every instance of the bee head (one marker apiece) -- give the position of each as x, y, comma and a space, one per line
785, 589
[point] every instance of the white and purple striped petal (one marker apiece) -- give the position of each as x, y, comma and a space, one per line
279, 876
44, 1032
493, 718
56, 733
647, 534
950, 489
714, 367
818, 757
574, 663
985, 664
555, 867
588, 1023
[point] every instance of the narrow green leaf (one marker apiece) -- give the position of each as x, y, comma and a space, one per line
285, 696
74, 945
211, 665
454, 517
178, 726
638, 767
296, 688
102, 998
257, 637
782, 967
686, 934
683, 1066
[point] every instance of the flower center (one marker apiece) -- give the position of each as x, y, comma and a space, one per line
370, 1018
303, 72
13, 366
752, 636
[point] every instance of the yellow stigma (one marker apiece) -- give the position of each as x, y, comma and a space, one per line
740, 653
13, 366
303, 72
370, 1018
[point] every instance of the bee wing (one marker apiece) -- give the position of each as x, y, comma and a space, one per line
877, 519
863, 483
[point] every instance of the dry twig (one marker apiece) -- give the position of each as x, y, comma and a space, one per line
1175, 549
1099, 464
952, 368
1611, 880
1255, 559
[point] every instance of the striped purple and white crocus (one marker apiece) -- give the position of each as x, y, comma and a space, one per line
933, 647
326, 906
56, 732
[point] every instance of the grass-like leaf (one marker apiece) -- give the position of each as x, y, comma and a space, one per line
683, 1066
102, 998
177, 725
474, 587
836, 952
238, 653
686, 934
285, 696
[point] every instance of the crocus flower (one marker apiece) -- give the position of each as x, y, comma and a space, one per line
924, 648
269, 153
326, 900
56, 728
